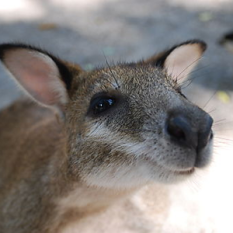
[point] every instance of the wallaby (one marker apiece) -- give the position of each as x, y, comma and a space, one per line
92, 138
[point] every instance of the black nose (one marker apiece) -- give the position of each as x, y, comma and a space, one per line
189, 133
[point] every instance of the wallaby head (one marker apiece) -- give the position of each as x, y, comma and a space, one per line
126, 125
120, 127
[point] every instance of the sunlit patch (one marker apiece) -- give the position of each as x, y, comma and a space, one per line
20, 9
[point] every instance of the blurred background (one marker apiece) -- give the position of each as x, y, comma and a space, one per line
85, 31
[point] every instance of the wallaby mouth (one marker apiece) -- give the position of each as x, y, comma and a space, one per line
185, 171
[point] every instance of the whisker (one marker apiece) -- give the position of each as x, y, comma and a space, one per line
219, 121
191, 79
118, 86
199, 69
186, 83
219, 144
212, 96
186, 68
213, 110
223, 122
221, 129
226, 139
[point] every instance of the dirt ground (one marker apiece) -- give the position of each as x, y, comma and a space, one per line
87, 31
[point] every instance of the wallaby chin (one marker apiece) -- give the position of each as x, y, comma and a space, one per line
91, 139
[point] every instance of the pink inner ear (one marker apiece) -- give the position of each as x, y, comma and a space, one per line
37, 74
182, 60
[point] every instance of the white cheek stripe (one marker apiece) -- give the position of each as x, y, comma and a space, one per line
118, 141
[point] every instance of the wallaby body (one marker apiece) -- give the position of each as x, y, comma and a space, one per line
97, 136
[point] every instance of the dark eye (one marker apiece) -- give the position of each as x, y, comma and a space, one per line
101, 104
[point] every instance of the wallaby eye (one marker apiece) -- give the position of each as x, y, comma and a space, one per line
101, 104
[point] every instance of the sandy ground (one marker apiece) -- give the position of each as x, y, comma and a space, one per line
86, 31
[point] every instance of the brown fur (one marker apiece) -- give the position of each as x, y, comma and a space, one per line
55, 171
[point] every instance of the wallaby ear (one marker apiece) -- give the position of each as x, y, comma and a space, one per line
44, 77
180, 60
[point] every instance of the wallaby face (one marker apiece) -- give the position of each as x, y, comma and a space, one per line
135, 117
125, 125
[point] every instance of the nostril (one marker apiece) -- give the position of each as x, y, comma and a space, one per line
179, 130
211, 135
175, 130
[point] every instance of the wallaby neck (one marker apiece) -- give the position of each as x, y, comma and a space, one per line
82, 201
